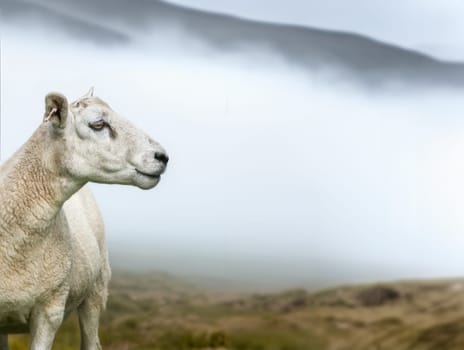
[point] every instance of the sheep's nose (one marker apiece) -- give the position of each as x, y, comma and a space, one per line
162, 157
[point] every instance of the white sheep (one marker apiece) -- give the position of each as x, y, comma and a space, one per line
53, 257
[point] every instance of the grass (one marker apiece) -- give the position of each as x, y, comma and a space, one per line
159, 312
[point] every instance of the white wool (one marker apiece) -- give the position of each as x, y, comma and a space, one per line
53, 256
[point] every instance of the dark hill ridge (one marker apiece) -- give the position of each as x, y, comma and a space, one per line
37, 14
120, 21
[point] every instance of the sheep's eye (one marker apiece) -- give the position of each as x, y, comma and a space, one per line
99, 125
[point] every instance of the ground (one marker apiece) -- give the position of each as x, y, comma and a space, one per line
155, 311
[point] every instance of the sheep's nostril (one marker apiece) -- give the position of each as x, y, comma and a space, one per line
162, 157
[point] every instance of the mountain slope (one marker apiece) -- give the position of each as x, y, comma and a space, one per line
121, 21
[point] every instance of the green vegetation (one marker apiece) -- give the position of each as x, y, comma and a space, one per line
159, 312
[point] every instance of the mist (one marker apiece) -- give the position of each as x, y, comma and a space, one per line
277, 174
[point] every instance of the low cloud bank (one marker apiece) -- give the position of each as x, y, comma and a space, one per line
269, 165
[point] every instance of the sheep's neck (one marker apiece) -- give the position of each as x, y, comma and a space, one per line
33, 189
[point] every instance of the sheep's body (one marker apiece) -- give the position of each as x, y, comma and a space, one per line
89, 246
53, 256
82, 263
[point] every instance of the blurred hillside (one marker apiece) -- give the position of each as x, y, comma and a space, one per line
158, 311
347, 55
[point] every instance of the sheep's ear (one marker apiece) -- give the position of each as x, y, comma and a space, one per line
88, 94
56, 109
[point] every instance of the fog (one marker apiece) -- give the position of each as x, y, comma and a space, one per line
275, 174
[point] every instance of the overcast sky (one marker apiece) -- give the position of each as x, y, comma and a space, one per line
431, 26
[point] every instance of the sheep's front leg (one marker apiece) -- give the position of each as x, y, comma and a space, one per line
4, 342
45, 321
89, 317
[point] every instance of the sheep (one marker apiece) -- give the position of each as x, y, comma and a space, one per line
53, 256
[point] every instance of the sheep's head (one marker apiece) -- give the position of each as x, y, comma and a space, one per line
100, 145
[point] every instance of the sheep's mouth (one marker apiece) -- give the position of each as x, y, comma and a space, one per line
152, 176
